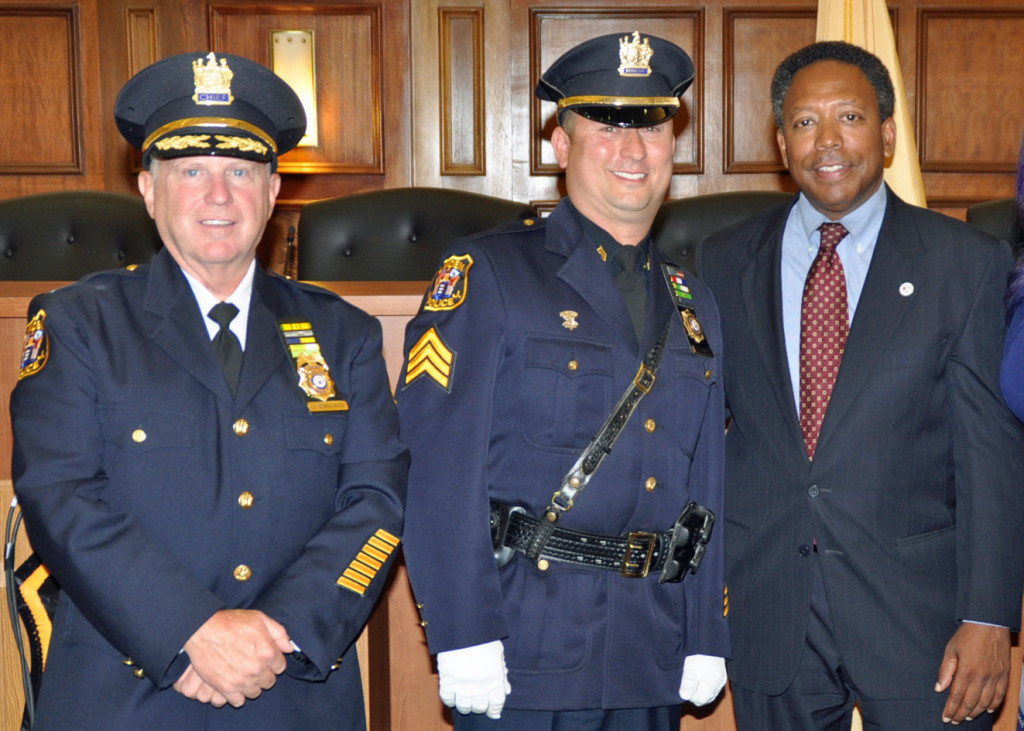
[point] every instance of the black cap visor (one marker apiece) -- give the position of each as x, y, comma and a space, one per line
621, 114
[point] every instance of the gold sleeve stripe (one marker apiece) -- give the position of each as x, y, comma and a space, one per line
368, 562
357, 588
356, 576
362, 568
371, 551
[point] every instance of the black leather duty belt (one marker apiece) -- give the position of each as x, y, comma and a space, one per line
634, 555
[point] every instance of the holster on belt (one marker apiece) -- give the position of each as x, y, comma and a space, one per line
673, 553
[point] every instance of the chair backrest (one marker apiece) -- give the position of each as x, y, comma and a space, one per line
682, 223
394, 234
999, 218
64, 236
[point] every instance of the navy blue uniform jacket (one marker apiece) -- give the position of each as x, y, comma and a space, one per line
914, 495
130, 456
526, 395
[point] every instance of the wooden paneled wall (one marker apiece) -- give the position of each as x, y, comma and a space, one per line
439, 93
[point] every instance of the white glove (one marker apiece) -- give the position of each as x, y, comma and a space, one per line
703, 679
474, 679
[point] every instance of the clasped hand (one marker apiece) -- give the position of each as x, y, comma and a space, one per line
234, 656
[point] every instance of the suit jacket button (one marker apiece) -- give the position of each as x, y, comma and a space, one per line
813, 491
650, 425
245, 500
242, 572
138, 436
650, 484
240, 427
804, 551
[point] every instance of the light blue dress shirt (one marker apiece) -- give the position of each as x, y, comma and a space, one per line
800, 242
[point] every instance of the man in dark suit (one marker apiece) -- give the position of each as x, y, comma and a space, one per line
525, 342
218, 496
873, 494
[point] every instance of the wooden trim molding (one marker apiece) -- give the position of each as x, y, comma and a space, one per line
68, 83
959, 99
462, 73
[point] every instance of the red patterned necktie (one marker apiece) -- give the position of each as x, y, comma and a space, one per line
824, 325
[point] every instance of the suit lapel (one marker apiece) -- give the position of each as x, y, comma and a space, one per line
585, 272
880, 309
761, 287
177, 325
264, 350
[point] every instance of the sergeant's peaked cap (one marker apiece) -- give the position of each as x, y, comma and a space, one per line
629, 80
209, 104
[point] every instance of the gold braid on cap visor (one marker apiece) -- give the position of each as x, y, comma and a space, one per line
619, 101
219, 122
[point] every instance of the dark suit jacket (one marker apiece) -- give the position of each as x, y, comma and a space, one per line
526, 395
914, 495
130, 455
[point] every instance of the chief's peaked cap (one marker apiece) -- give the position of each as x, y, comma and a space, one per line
160, 102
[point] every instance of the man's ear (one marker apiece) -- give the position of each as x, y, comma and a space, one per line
780, 140
146, 185
561, 142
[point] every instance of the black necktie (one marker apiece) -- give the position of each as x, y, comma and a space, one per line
229, 351
632, 286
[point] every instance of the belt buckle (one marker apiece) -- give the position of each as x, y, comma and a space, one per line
636, 541
644, 379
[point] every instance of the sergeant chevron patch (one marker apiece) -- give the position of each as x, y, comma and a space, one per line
371, 558
430, 357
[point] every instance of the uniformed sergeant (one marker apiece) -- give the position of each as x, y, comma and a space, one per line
524, 344
220, 502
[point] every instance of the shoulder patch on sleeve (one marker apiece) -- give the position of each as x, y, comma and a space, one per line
37, 346
430, 357
450, 285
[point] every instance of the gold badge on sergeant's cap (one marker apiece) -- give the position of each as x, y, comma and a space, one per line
37, 346
209, 104
448, 288
313, 372
625, 79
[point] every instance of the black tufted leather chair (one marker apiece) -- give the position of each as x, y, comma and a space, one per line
999, 218
64, 236
396, 234
682, 223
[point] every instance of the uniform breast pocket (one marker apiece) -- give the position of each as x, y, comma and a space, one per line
144, 430
686, 381
566, 392
317, 433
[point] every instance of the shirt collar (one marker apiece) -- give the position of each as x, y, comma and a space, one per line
860, 222
239, 298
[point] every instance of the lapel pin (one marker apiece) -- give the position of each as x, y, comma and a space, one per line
569, 319
906, 289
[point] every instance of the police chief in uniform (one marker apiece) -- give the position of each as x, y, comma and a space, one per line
525, 342
219, 495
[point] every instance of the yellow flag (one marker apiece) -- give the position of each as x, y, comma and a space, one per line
865, 23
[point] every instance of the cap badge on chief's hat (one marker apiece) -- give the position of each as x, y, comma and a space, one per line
213, 82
